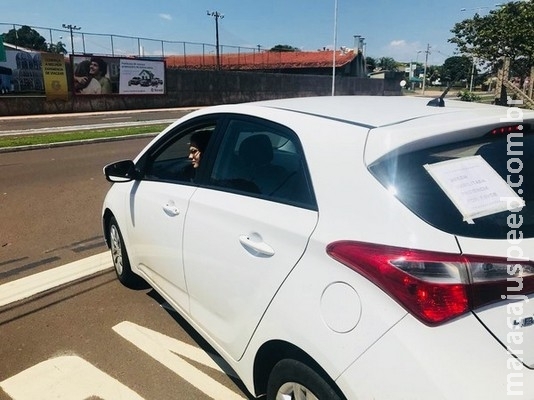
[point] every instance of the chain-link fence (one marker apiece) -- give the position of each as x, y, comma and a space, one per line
78, 42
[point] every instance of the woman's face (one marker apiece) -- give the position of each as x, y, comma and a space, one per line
194, 155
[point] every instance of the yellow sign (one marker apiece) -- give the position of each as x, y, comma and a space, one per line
55, 76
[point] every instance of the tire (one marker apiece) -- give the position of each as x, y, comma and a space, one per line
119, 255
291, 379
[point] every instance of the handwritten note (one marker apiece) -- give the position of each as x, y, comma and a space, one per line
474, 187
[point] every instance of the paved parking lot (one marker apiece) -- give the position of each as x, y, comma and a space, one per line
94, 338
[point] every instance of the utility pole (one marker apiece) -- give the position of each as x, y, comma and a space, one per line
71, 28
217, 15
427, 51
472, 74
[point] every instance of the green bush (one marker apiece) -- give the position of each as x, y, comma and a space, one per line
466, 95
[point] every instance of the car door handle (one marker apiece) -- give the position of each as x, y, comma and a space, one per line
257, 248
171, 210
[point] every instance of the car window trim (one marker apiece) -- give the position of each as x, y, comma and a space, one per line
181, 130
222, 130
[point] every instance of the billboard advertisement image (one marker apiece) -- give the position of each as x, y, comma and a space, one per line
95, 75
142, 77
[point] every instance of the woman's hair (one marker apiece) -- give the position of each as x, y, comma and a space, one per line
82, 69
200, 139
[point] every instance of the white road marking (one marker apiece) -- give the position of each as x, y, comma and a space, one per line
42, 281
167, 351
71, 377
66, 378
114, 118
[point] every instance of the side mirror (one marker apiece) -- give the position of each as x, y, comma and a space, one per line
120, 171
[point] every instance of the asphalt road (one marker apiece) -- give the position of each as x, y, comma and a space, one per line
50, 204
96, 339
92, 338
51, 198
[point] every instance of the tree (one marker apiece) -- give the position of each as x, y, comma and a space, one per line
505, 32
58, 48
521, 67
284, 47
456, 69
370, 64
26, 37
387, 64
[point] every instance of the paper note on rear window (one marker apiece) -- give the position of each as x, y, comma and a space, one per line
475, 188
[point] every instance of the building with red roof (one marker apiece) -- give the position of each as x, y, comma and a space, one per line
347, 62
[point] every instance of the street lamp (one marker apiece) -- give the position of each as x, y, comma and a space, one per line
71, 28
216, 15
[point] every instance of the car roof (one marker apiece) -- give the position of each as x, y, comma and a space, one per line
370, 111
404, 123
390, 123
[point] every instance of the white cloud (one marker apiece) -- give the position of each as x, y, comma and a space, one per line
405, 51
397, 43
168, 17
402, 50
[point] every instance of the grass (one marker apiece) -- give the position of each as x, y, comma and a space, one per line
60, 137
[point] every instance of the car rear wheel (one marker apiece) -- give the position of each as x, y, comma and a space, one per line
119, 255
291, 379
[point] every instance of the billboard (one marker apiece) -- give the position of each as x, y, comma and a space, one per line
21, 72
112, 75
142, 77
55, 76
27, 72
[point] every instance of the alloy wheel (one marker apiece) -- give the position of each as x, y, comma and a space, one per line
294, 391
116, 249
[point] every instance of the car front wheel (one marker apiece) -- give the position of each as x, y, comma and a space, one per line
119, 255
291, 379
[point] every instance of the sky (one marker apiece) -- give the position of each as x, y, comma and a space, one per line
402, 30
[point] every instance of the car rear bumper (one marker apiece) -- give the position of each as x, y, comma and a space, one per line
459, 360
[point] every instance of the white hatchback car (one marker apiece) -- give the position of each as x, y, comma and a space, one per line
342, 247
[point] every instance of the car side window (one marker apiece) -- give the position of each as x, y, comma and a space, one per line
263, 160
179, 156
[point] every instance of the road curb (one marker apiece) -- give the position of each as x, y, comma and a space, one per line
75, 143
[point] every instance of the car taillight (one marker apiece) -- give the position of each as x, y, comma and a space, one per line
435, 287
504, 130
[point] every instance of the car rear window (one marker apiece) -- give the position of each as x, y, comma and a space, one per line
511, 156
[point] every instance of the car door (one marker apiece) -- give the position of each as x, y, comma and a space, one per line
246, 229
158, 207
